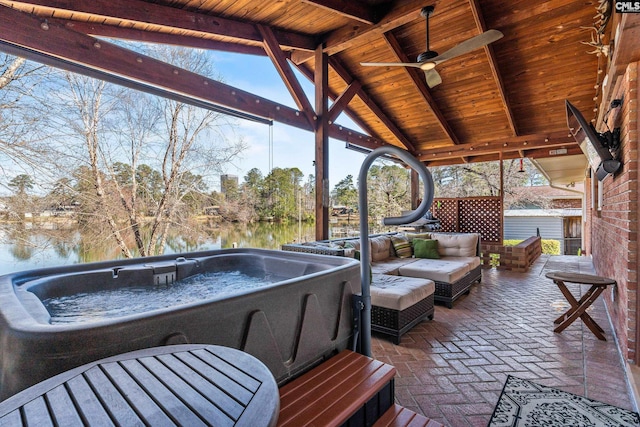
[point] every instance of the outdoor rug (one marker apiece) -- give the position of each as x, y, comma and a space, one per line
524, 403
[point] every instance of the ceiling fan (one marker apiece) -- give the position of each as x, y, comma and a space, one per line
427, 61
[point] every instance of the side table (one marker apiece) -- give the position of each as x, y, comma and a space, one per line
184, 385
578, 308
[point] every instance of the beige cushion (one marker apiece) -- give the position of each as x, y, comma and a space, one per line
349, 252
435, 269
390, 266
351, 246
399, 293
463, 245
471, 261
380, 247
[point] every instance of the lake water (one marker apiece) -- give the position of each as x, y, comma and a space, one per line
29, 246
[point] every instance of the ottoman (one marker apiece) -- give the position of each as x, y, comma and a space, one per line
452, 279
399, 303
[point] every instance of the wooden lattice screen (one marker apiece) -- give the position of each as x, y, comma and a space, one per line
471, 215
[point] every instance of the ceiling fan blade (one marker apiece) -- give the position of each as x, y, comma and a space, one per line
469, 45
433, 78
391, 64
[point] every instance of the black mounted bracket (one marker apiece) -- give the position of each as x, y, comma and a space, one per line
611, 139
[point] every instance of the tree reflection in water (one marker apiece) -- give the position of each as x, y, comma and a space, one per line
25, 246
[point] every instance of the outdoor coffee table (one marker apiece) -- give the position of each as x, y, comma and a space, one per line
578, 308
184, 385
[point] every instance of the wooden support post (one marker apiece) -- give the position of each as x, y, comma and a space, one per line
415, 189
322, 143
501, 200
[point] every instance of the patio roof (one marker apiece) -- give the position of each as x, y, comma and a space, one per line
505, 100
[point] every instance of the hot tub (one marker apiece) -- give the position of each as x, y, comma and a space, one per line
299, 315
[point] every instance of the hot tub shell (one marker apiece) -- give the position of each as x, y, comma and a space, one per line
289, 325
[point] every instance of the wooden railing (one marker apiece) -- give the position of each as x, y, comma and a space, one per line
516, 258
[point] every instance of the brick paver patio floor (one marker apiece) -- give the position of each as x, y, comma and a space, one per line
452, 369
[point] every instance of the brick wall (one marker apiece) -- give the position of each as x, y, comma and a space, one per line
612, 231
566, 204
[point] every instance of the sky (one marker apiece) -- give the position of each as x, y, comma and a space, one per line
292, 147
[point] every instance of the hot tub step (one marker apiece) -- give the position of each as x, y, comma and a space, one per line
348, 388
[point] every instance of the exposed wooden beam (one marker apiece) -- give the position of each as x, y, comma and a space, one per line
47, 42
493, 64
515, 145
131, 12
543, 153
343, 100
350, 9
308, 73
402, 13
354, 138
286, 73
127, 33
344, 74
418, 79
507, 155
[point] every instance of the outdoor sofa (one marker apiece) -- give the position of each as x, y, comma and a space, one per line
444, 272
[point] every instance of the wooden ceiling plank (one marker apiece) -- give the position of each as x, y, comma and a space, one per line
343, 100
136, 11
418, 79
123, 33
58, 46
493, 64
343, 38
350, 9
286, 73
344, 74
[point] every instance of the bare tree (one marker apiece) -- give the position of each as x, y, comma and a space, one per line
388, 189
483, 179
91, 110
128, 139
22, 143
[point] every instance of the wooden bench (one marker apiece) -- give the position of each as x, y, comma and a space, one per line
348, 388
398, 416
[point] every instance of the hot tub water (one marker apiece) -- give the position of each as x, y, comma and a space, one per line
116, 302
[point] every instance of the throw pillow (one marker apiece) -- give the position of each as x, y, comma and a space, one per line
411, 236
402, 246
426, 248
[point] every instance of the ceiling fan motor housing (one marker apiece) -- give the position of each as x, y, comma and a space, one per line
427, 11
425, 56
